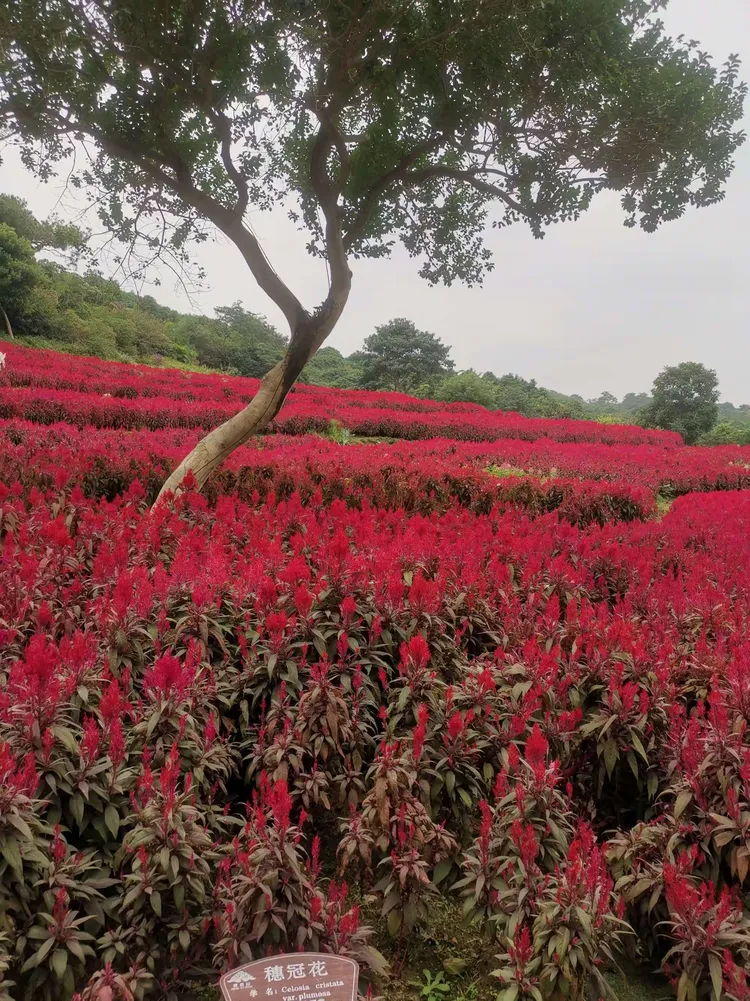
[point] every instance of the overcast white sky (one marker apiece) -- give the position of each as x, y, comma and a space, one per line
593, 306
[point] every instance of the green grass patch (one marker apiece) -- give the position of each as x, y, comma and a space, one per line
79, 351
342, 436
504, 472
663, 504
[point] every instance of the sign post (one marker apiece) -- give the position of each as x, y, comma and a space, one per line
298, 976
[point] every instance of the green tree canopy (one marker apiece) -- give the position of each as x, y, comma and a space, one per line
685, 399
380, 122
51, 234
467, 387
330, 368
237, 340
524, 396
633, 402
727, 433
605, 403
256, 345
400, 357
728, 412
19, 272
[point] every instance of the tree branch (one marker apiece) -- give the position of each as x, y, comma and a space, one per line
231, 225
469, 177
359, 224
327, 193
158, 166
224, 130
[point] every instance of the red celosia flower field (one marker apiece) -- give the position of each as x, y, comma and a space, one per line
371, 670
46, 387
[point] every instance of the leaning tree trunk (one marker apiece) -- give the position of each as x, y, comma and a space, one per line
6, 321
218, 444
308, 332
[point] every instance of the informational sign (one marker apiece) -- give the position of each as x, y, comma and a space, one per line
299, 976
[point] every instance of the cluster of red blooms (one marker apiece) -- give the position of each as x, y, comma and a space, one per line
382, 648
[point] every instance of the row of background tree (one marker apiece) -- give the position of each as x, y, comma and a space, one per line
52, 304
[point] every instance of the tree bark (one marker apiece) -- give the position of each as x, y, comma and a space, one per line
218, 444
223, 440
6, 321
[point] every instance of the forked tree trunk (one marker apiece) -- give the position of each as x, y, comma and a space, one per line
218, 444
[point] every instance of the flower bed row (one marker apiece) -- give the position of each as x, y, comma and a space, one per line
301, 416
671, 472
47, 387
412, 475
205, 709
318, 474
33, 368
